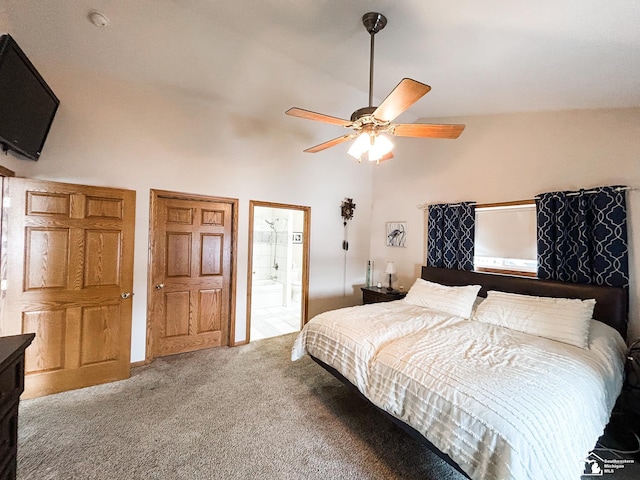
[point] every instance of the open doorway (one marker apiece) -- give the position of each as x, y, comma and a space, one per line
278, 282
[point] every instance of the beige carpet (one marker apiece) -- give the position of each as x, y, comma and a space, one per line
228, 413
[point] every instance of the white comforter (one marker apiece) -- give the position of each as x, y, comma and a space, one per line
349, 338
502, 404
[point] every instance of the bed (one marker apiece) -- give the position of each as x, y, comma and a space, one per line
494, 400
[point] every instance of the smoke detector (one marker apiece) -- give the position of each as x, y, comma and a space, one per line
98, 19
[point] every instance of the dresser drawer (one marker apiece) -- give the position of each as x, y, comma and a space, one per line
8, 471
11, 382
11, 386
8, 440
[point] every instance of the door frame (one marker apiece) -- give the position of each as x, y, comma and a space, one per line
155, 195
4, 172
306, 236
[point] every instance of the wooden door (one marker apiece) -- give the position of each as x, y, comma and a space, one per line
191, 262
67, 277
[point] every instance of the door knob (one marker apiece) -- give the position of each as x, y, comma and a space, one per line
125, 295
159, 286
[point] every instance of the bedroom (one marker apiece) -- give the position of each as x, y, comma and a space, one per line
139, 111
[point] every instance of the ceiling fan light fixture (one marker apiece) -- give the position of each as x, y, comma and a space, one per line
380, 146
373, 145
360, 146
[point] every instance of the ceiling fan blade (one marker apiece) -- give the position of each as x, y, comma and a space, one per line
318, 117
426, 130
406, 93
330, 143
386, 157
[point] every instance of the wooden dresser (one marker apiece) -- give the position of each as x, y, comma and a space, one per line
11, 386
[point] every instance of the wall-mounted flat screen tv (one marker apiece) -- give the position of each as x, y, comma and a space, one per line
27, 104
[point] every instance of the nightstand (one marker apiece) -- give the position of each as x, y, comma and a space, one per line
630, 397
375, 295
619, 442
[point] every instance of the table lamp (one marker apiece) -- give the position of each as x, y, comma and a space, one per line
390, 270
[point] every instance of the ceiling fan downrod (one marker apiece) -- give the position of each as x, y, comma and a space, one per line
373, 22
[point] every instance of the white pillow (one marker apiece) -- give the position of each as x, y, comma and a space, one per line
562, 319
456, 301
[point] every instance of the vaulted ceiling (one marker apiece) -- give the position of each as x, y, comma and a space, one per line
265, 56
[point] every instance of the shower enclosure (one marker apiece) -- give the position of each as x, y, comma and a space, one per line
277, 257
267, 282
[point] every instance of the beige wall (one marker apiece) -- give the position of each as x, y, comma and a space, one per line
508, 157
124, 135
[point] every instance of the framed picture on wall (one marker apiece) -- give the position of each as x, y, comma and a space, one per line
296, 237
396, 234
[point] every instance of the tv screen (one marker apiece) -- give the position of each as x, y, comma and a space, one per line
27, 104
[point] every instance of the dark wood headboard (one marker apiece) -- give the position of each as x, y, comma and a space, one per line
611, 302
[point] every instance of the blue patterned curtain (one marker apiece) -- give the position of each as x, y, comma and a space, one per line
582, 236
450, 234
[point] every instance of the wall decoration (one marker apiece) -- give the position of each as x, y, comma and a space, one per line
346, 209
346, 212
296, 237
396, 234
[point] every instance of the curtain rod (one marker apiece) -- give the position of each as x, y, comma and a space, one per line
596, 190
424, 206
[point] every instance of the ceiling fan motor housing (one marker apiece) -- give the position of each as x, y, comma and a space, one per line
362, 112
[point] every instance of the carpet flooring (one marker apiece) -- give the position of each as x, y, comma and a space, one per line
225, 413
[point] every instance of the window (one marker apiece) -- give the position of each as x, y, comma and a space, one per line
505, 238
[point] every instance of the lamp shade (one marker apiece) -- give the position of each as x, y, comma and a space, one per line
360, 146
391, 268
374, 145
380, 146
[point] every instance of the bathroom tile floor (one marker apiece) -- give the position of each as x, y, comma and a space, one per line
274, 321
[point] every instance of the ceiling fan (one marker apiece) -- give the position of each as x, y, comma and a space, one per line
371, 124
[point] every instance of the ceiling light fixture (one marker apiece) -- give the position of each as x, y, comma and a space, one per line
375, 146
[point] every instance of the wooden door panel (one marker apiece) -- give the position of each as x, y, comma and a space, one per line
181, 344
99, 334
97, 207
192, 267
47, 351
179, 215
69, 257
46, 258
211, 254
178, 254
213, 217
48, 203
102, 257
209, 311
177, 308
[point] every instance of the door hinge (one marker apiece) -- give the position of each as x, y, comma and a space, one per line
3, 285
6, 202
